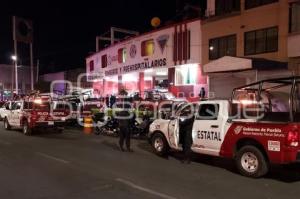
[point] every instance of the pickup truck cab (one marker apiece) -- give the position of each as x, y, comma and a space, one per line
252, 127
32, 113
4, 109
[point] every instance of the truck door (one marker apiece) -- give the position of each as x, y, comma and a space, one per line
173, 133
12, 115
16, 113
183, 113
207, 129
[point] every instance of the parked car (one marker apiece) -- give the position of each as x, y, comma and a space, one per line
158, 94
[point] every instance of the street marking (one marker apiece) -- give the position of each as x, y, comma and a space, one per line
53, 158
128, 183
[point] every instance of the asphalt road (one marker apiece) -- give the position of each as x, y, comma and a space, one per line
75, 165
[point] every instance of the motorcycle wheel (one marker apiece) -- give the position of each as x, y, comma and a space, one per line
99, 130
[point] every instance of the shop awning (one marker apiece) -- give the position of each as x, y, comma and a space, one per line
227, 64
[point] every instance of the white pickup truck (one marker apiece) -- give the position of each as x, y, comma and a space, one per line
255, 143
5, 109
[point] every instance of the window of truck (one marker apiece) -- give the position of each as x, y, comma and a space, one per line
43, 106
276, 100
208, 112
16, 106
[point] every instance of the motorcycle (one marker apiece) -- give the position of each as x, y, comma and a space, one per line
140, 126
105, 124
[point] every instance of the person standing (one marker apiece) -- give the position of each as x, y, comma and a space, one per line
202, 93
124, 118
113, 100
107, 101
186, 127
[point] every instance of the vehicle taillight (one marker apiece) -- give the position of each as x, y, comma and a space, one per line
292, 138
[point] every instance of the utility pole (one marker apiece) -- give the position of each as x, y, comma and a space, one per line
15, 57
31, 67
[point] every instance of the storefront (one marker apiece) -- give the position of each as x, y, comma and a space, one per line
164, 58
227, 73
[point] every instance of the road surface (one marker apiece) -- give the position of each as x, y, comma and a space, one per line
76, 165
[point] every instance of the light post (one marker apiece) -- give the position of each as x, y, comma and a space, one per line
15, 58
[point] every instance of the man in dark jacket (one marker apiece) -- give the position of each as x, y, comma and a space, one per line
107, 101
202, 93
185, 129
124, 118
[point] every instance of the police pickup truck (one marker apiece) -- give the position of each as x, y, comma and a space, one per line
32, 113
258, 127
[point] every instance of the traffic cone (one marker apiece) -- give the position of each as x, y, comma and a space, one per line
87, 125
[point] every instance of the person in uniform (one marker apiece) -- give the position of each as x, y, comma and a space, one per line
124, 118
185, 129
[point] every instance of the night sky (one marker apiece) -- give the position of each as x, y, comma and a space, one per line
65, 31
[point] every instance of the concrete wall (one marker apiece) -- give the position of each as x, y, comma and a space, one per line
275, 14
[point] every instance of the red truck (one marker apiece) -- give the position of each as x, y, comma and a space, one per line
34, 112
258, 127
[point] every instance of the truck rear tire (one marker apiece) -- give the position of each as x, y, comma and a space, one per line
26, 128
251, 162
160, 144
6, 124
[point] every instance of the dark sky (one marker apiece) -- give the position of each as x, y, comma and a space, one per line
65, 31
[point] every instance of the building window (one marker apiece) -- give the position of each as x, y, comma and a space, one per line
294, 22
186, 74
227, 6
255, 3
222, 46
91, 65
104, 61
261, 41
122, 55
147, 47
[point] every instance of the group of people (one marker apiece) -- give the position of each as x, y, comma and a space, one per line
185, 130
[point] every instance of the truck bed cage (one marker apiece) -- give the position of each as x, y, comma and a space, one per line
281, 82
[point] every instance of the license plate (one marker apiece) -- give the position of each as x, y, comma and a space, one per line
51, 123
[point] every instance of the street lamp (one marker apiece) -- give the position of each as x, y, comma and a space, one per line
15, 58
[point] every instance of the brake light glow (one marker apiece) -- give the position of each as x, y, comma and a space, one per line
293, 138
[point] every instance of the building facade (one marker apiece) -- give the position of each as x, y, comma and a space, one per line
236, 43
63, 81
169, 57
244, 41
294, 36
